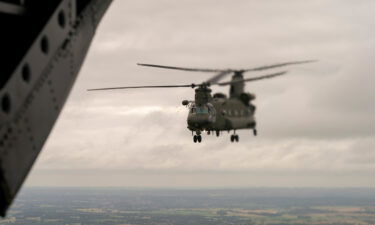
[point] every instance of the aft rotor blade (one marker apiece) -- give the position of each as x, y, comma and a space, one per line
181, 68
135, 87
253, 78
277, 65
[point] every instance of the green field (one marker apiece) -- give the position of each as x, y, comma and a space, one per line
275, 206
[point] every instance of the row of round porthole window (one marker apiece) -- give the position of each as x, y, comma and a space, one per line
6, 103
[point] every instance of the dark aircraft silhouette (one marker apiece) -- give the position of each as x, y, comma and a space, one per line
43, 45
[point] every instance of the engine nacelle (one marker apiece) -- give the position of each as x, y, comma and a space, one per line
247, 97
220, 95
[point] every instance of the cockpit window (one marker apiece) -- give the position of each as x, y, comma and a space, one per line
202, 110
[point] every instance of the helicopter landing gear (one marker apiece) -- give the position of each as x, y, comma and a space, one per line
234, 138
197, 138
255, 132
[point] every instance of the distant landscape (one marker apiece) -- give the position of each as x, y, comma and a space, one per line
271, 206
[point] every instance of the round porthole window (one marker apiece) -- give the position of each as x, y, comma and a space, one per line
6, 103
44, 45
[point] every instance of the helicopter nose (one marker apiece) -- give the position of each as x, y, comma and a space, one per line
198, 120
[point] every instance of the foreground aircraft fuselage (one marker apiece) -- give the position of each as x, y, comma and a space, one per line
43, 45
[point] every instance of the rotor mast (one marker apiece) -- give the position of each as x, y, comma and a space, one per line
238, 85
202, 95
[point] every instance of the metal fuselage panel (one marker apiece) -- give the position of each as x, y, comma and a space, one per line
32, 105
233, 115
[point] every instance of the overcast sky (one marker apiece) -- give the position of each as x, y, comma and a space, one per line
316, 125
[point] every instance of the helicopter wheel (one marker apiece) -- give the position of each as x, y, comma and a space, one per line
255, 132
234, 138
197, 138
217, 133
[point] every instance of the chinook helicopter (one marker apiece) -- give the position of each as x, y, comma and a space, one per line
216, 113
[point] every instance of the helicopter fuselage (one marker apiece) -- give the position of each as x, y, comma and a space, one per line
221, 114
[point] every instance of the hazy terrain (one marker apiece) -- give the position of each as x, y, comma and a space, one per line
193, 206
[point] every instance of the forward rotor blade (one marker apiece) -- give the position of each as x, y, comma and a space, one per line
252, 79
135, 87
218, 77
181, 68
278, 65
